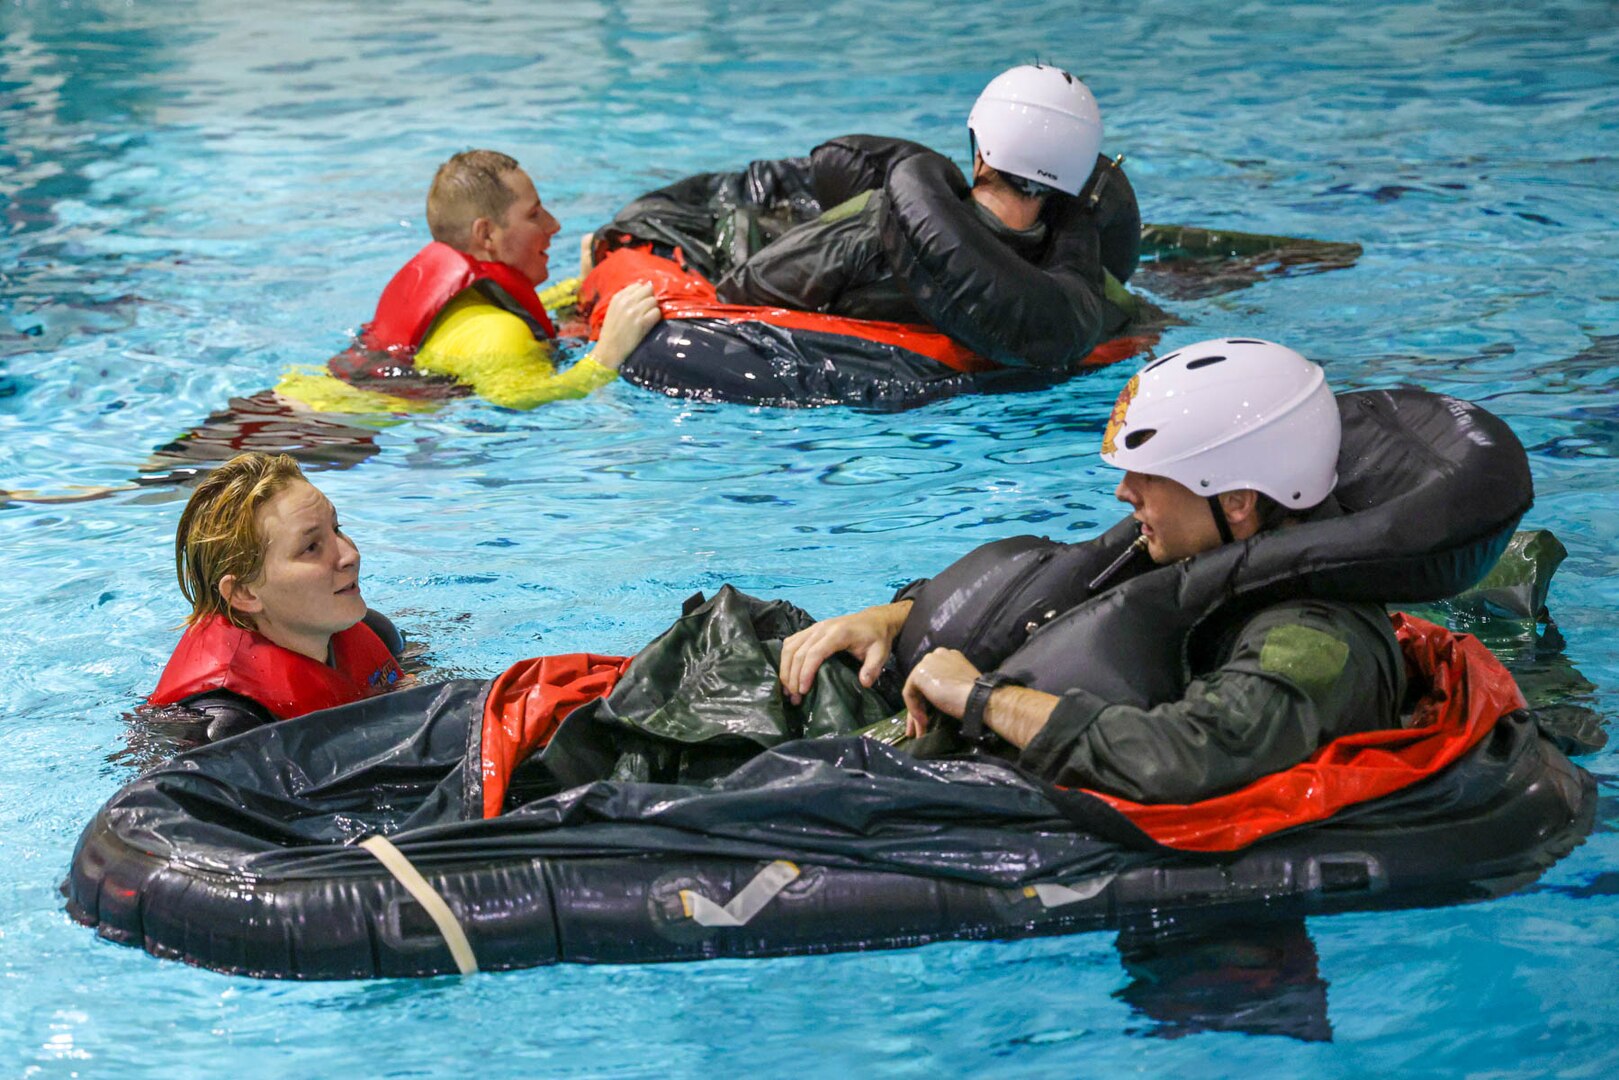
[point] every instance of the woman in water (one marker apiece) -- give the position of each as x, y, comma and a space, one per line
278, 627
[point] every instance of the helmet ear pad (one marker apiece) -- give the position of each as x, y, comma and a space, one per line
1231, 414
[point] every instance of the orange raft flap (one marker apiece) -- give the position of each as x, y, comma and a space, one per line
685, 294
528, 702
1468, 691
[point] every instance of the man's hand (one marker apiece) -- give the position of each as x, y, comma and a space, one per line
631, 315
943, 678
867, 635
587, 260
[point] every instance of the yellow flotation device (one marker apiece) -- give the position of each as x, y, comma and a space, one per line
479, 344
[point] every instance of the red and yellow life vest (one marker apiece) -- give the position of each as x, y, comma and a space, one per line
216, 655
433, 277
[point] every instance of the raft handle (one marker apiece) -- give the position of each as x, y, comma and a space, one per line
1349, 873
764, 887
449, 928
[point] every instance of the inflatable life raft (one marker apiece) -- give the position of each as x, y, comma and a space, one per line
712, 351
675, 806
351, 844
958, 310
976, 314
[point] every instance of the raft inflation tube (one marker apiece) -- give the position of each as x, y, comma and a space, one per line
598, 809
959, 311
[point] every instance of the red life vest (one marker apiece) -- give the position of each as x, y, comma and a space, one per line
215, 655
419, 291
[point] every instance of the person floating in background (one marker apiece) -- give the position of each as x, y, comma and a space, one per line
462, 316
278, 626
872, 272
464, 308
877, 228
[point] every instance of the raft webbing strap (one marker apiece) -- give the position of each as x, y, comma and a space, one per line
764, 887
448, 927
1051, 896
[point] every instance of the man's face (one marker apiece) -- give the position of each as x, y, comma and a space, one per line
522, 237
1176, 521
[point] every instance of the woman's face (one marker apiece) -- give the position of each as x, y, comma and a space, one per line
309, 587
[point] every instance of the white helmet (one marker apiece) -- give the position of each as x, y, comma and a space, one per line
1040, 123
1229, 414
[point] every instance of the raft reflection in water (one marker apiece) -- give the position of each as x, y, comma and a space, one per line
1256, 979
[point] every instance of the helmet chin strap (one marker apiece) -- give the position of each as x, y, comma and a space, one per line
1220, 521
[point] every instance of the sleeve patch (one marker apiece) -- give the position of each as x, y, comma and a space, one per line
1310, 658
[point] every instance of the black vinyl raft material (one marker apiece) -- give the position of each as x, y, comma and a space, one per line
246, 856
955, 309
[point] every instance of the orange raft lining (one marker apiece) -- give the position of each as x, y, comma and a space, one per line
685, 294
526, 705
1469, 690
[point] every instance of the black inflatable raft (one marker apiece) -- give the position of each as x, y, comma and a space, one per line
683, 809
247, 857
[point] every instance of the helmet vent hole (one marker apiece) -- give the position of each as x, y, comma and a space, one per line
1243, 341
1136, 438
1161, 363
1202, 362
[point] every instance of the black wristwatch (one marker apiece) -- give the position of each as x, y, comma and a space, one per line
972, 717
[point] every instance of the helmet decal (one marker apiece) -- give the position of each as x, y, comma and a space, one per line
1121, 408
1224, 415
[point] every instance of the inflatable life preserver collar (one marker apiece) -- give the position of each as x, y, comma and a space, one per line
969, 284
844, 167
1430, 489
415, 295
216, 655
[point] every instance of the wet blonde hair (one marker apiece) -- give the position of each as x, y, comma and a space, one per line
219, 531
469, 186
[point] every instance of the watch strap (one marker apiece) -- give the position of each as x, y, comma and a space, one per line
972, 716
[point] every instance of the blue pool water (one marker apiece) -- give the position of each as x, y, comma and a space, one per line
196, 196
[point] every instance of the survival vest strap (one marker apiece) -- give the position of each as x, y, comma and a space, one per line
423, 286
216, 655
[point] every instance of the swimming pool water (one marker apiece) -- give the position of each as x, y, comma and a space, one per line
197, 196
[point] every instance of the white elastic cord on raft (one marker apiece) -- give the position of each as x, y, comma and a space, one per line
764, 887
1057, 895
456, 938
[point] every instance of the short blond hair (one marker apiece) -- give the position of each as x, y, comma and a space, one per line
469, 186
219, 532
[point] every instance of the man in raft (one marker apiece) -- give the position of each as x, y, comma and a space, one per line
465, 305
908, 242
1219, 441
1033, 131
